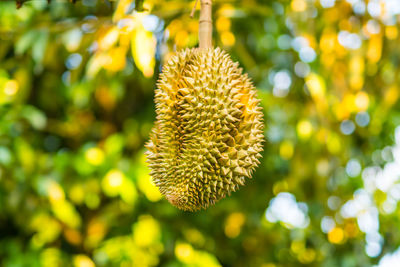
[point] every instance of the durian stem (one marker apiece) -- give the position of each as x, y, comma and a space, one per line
205, 24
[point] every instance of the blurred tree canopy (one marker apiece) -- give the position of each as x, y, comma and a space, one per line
76, 107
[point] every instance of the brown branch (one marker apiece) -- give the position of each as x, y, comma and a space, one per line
205, 24
194, 9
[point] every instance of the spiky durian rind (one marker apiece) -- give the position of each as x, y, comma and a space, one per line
208, 132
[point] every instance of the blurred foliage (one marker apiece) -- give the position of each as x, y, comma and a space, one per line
76, 107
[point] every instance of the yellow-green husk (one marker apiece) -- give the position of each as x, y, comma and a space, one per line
208, 134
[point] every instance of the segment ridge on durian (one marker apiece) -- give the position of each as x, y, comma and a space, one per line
208, 133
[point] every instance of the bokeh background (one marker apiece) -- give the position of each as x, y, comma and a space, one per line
76, 107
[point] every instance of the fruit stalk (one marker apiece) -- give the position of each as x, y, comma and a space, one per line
205, 24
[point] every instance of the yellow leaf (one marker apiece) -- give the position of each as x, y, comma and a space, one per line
143, 47
374, 52
122, 8
117, 60
109, 39
316, 85
83, 261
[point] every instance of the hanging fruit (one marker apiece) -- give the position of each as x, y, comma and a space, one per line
208, 134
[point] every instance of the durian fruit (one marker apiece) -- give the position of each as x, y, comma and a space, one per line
208, 134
